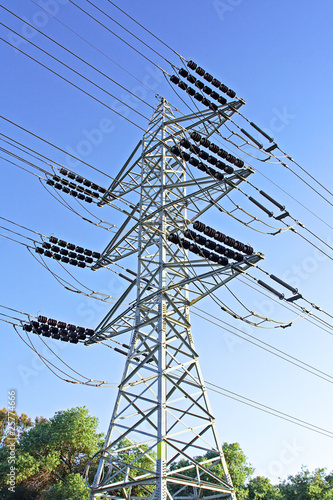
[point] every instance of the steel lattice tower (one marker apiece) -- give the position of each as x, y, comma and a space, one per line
162, 419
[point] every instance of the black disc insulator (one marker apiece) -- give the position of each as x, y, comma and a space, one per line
209, 231
222, 100
173, 237
214, 148
203, 154
248, 250
192, 65
220, 249
216, 82
174, 79
190, 234
205, 253
212, 160
194, 149
190, 91
220, 164
183, 72
219, 176
228, 169
208, 77
223, 261
229, 253
199, 226
231, 93
220, 236
241, 247
239, 257
201, 240
214, 257
182, 85
198, 96
185, 143
230, 158
194, 249
205, 142
210, 244
195, 136
200, 85
185, 243
239, 163
214, 95
222, 153
212, 106
193, 161
202, 166
200, 71
191, 78
175, 151
207, 90
223, 88
205, 102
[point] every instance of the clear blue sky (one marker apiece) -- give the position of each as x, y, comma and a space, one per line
276, 55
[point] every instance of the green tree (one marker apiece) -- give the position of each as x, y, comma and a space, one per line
51, 457
239, 469
11, 421
308, 486
260, 488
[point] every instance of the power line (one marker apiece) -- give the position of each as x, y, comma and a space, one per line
156, 37
53, 145
77, 73
117, 36
92, 45
75, 55
280, 354
274, 183
73, 84
291, 159
128, 31
269, 410
279, 161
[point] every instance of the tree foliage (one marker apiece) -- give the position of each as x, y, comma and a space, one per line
308, 486
51, 457
22, 423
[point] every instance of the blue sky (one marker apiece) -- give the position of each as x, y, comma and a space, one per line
276, 55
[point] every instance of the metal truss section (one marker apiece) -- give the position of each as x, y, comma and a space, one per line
200, 285
162, 441
201, 193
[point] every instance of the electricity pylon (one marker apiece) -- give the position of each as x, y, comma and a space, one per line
162, 420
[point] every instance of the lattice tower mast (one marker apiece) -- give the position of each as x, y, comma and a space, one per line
162, 418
